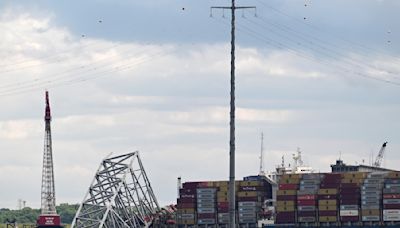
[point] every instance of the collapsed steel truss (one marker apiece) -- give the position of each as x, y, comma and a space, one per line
119, 196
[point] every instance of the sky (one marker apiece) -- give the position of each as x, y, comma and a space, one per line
153, 76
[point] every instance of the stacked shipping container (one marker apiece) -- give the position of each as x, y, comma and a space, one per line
187, 204
286, 199
391, 199
371, 197
307, 198
347, 199
206, 203
350, 198
328, 198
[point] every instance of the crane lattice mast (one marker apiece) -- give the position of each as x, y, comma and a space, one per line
379, 158
48, 215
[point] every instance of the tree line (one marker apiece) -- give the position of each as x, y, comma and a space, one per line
28, 215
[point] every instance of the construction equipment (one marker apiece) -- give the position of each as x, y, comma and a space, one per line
379, 158
48, 217
120, 196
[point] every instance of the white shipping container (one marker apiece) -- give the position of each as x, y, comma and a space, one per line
205, 210
391, 212
247, 203
370, 218
391, 201
349, 207
185, 216
206, 190
391, 218
348, 212
247, 209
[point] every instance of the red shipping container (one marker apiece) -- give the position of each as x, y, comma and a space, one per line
306, 197
185, 195
186, 200
349, 218
306, 202
329, 185
333, 175
349, 201
327, 197
186, 205
253, 188
327, 213
288, 186
349, 185
190, 185
223, 210
187, 191
346, 191
223, 204
285, 217
286, 198
306, 213
391, 206
203, 184
350, 197
391, 196
206, 215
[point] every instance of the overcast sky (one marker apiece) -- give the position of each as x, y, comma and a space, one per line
154, 76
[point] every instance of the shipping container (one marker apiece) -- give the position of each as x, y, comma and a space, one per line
286, 197
306, 197
349, 207
286, 192
306, 219
206, 215
327, 219
328, 213
306, 208
349, 218
344, 213
307, 192
285, 203
205, 221
306, 213
328, 191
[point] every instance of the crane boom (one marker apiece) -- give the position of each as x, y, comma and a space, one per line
379, 158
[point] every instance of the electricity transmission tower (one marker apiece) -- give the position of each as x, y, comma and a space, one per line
232, 201
120, 196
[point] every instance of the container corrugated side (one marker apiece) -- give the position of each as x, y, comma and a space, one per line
344, 213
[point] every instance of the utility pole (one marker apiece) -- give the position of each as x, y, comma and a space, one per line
262, 172
232, 200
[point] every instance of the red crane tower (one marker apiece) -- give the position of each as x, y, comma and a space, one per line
48, 217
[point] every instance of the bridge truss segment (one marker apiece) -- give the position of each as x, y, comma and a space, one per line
120, 196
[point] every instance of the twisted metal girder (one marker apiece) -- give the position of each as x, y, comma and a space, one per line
120, 196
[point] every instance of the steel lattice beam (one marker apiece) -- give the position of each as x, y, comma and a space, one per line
120, 196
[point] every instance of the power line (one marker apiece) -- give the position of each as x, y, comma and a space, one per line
331, 53
351, 44
278, 44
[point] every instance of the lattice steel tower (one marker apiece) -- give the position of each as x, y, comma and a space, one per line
48, 215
